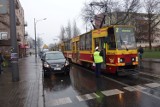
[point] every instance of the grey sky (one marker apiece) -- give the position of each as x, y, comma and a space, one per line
57, 12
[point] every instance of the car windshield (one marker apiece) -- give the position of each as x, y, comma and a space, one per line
125, 38
54, 56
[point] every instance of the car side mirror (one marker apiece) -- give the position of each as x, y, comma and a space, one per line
42, 59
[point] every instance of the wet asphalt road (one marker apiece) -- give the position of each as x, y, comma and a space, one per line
82, 89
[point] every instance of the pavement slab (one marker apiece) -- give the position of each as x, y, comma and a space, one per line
28, 91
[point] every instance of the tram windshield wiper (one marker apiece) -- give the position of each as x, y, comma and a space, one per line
122, 42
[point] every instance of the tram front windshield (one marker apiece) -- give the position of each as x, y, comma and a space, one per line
125, 38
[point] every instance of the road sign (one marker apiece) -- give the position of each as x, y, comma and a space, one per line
3, 6
45, 46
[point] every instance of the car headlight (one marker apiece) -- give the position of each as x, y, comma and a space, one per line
66, 63
46, 65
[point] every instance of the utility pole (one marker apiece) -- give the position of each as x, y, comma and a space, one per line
14, 50
35, 38
35, 33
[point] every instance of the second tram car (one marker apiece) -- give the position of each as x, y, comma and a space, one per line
118, 45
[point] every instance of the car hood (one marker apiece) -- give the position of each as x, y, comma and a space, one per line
56, 61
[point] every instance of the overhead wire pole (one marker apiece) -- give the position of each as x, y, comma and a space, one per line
14, 50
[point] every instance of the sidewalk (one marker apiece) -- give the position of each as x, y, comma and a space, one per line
28, 92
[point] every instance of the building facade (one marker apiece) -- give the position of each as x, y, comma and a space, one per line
5, 38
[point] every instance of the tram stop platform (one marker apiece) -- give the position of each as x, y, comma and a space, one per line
28, 91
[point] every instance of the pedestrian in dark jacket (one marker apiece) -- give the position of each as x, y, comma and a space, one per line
140, 52
1, 61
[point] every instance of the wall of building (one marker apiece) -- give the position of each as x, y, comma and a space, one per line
5, 45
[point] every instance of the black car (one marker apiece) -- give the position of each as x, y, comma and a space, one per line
54, 62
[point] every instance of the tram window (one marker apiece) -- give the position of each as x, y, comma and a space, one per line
88, 41
70, 45
82, 42
111, 36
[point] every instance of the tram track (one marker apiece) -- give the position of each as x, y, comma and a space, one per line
135, 79
131, 81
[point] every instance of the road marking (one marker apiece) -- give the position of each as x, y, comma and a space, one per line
149, 74
60, 101
134, 88
153, 85
87, 97
151, 95
112, 92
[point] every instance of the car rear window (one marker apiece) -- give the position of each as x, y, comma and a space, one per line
54, 56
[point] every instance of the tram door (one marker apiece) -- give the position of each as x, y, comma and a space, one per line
102, 45
77, 51
73, 51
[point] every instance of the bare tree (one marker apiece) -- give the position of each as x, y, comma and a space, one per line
62, 34
128, 14
75, 29
117, 12
152, 8
68, 30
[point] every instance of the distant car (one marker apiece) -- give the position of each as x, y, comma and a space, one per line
42, 52
54, 62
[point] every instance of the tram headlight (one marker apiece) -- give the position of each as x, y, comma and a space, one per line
120, 60
133, 59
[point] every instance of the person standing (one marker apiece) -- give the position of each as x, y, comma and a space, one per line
140, 53
98, 59
1, 61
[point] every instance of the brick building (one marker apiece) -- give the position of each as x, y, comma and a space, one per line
5, 39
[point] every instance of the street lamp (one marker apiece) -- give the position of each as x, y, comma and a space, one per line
35, 22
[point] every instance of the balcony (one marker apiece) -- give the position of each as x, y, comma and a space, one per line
26, 34
18, 37
17, 4
17, 21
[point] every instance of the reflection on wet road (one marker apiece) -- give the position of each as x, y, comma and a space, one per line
151, 67
82, 89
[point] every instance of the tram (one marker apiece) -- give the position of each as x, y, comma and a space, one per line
117, 42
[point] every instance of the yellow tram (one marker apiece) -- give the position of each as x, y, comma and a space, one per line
117, 42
